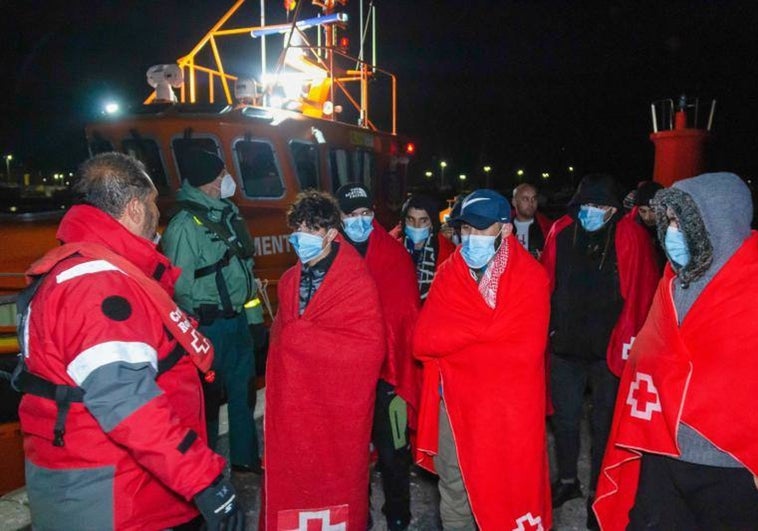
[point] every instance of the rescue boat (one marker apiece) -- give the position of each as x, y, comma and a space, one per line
303, 122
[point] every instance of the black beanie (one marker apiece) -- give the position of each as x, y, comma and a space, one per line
201, 167
646, 191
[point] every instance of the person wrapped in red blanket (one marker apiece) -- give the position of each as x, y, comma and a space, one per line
419, 232
682, 452
602, 277
481, 337
327, 347
397, 390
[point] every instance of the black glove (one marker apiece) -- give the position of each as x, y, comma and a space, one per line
219, 507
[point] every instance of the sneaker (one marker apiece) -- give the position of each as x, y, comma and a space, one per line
563, 492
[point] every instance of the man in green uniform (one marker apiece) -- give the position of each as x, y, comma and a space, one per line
209, 240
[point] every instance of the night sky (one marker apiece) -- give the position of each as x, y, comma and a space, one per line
511, 84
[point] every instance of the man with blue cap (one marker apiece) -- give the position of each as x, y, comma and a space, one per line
481, 423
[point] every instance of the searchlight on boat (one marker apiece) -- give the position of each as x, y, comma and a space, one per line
162, 78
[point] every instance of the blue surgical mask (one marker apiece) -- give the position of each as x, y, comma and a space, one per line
592, 218
358, 228
307, 246
676, 247
417, 235
477, 250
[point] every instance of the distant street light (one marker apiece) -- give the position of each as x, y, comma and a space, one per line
571, 168
487, 178
545, 175
443, 165
462, 176
111, 107
428, 173
8, 159
520, 173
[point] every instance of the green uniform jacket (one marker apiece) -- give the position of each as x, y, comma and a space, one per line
191, 245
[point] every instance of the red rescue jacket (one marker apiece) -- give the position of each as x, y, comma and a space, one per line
135, 450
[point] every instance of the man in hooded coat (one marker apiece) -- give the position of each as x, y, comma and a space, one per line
603, 276
682, 452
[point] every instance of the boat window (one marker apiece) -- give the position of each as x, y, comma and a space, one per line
147, 151
182, 146
305, 157
339, 168
258, 168
99, 145
363, 167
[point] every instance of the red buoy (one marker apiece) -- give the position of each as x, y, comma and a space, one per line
680, 138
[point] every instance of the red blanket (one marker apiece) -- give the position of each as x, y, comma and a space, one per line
395, 275
703, 373
490, 364
320, 389
544, 222
638, 276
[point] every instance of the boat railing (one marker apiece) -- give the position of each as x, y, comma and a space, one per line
329, 79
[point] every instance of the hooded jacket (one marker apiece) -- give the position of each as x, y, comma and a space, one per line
714, 212
621, 279
692, 373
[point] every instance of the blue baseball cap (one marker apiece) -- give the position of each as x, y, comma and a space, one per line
481, 208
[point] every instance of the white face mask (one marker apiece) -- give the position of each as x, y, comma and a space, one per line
228, 186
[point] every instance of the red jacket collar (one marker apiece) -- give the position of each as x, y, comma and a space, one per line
84, 223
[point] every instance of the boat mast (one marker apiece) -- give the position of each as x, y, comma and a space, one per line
263, 40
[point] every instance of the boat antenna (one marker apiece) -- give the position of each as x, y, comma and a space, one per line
263, 40
370, 14
293, 28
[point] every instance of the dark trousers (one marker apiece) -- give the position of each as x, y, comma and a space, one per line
234, 368
390, 438
676, 496
569, 378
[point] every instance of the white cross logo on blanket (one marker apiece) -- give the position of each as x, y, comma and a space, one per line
326, 519
644, 399
627, 349
533, 523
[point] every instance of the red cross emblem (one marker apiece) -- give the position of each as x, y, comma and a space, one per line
529, 522
643, 397
325, 519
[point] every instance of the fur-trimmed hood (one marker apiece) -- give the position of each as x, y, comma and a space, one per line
714, 211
